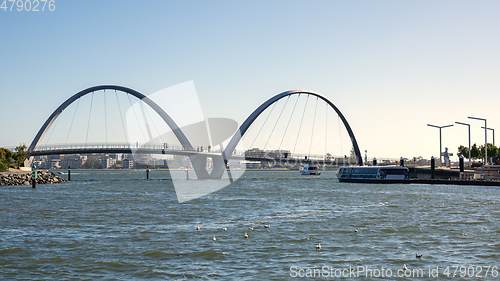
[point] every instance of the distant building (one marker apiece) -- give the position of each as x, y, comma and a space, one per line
72, 163
276, 154
117, 157
255, 153
108, 163
128, 163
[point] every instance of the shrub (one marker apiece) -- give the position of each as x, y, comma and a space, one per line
3, 167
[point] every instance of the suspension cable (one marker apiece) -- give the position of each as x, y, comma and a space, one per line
279, 116
340, 138
290, 119
52, 131
136, 118
150, 136
73, 119
105, 118
263, 125
300, 126
121, 117
326, 128
314, 122
90, 114
154, 125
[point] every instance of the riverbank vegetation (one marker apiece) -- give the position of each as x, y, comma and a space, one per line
477, 152
12, 159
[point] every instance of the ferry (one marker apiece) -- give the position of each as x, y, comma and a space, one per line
378, 174
310, 169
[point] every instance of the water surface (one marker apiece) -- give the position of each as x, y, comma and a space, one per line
116, 225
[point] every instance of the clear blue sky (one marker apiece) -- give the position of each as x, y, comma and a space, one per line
390, 66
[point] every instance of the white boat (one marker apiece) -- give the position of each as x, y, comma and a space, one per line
377, 174
310, 169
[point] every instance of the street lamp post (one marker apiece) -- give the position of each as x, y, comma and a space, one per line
468, 125
440, 139
493, 130
485, 138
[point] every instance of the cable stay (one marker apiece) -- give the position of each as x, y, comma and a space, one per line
340, 139
52, 131
154, 125
277, 121
90, 114
251, 146
137, 119
312, 132
121, 117
72, 120
105, 118
326, 129
145, 121
300, 126
290, 119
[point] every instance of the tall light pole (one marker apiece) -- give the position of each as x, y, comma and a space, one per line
468, 125
440, 139
493, 134
485, 139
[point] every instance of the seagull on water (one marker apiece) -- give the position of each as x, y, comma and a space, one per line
267, 226
246, 235
355, 230
198, 228
225, 228
404, 267
418, 256
215, 239
251, 228
318, 246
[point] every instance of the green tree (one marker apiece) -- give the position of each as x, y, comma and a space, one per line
328, 157
3, 166
492, 151
475, 152
5, 159
92, 163
462, 150
20, 154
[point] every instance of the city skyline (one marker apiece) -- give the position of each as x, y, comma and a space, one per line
390, 67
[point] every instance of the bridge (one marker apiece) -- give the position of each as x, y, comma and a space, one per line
220, 157
125, 148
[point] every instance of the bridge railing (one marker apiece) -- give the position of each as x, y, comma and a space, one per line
77, 146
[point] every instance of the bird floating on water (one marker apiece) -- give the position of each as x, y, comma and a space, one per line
355, 230
318, 246
418, 256
404, 267
246, 235
267, 226
251, 228
215, 239
225, 228
198, 228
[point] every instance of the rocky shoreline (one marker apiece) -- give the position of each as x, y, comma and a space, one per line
24, 178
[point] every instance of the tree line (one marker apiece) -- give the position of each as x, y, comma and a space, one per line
477, 152
12, 159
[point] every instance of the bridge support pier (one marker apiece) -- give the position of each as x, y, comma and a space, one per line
199, 163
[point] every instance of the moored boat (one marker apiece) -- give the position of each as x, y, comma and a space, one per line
377, 174
310, 169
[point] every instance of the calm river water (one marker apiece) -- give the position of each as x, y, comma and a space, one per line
115, 225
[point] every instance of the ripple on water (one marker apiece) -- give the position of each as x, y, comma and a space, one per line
115, 225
